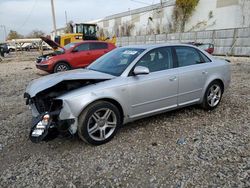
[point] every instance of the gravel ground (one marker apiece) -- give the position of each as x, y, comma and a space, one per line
185, 148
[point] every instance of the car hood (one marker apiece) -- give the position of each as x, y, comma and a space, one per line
51, 43
51, 80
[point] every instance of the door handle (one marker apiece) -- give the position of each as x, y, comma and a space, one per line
204, 72
173, 78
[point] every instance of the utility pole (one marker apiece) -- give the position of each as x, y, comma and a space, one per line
66, 17
53, 16
5, 33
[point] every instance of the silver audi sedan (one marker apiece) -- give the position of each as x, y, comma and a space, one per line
124, 85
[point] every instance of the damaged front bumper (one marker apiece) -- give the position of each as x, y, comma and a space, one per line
48, 125
44, 128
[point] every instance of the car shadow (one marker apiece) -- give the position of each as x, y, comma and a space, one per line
167, 115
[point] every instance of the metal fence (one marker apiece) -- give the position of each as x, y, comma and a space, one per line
235, 42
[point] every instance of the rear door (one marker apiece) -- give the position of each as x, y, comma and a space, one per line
192, 73
81, 56
98, 49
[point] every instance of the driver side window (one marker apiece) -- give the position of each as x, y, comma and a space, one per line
82, 47
157, 60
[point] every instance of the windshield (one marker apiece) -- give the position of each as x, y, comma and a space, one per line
70, 45
116, 61
86, 29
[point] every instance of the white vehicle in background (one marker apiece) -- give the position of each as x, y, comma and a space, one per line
45, 46
27, 44
11, 47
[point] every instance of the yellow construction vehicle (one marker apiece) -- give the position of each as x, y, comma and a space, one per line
82, 31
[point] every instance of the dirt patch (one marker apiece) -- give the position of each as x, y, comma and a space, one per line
185, 148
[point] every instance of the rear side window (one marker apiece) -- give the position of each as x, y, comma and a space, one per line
204, 57
188, 56
98, 46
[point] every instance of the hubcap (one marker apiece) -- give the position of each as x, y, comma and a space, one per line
102, 124
61, 68
214, 95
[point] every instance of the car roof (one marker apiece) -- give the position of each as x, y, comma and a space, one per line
89, 41
150, 46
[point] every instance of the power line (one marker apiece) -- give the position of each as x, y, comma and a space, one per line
28, 16
140, 2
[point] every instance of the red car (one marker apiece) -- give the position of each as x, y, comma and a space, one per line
208, 47
73, 55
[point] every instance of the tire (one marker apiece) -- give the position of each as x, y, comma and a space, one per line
212, 95
96, 129
60, 67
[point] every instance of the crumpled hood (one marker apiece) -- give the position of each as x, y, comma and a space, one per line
48, 81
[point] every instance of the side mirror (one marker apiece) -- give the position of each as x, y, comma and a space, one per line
141, 70
74, 50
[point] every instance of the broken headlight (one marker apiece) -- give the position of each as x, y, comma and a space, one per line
40, 128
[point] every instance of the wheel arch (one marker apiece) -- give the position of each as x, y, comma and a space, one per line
218, 79
221, 83
61, 61
112, 101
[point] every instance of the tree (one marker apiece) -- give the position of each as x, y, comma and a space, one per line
14, 35
35, 34
69, 27
182, 12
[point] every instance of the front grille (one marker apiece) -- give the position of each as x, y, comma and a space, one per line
48, 105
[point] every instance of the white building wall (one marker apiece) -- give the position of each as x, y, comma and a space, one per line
157, 20
228, 16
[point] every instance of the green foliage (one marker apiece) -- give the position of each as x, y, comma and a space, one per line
183, 10
69, 27
14, 35
35, 34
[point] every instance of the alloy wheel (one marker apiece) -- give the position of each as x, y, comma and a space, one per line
61, 68
102, 124
214, 95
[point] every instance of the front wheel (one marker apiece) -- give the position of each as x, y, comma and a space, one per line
212, 96
99, 123
60, 67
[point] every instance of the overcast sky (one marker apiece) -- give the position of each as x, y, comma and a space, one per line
27, 15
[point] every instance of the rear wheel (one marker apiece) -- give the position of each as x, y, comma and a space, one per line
60, 67
99, 123
212, 96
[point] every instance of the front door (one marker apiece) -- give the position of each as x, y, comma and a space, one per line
81, 56
157, 90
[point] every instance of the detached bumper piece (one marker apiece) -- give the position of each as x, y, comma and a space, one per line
44, 128
40, 128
